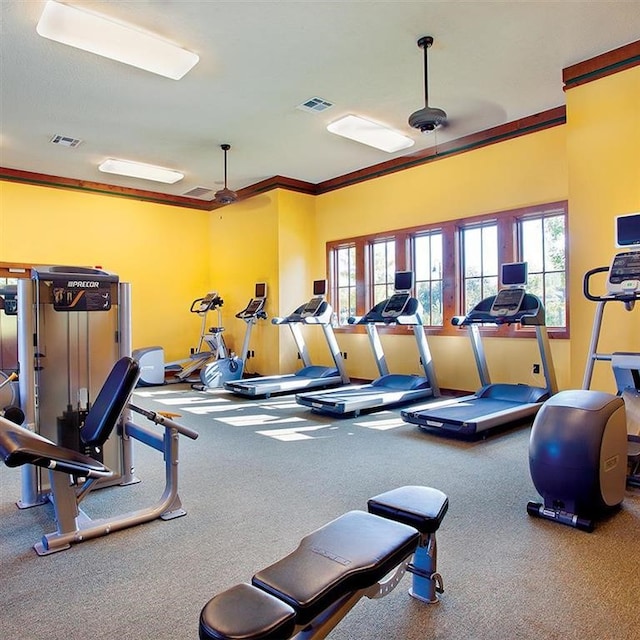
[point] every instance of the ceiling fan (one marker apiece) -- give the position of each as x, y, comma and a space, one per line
428, 118
225, 195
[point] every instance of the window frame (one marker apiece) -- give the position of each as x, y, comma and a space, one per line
452, 295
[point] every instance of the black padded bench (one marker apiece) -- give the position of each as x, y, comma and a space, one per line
306, 593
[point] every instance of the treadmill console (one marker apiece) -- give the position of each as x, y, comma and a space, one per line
396, 304
507, 302
624, 274
312, 307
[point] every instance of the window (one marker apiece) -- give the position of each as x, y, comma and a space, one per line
542, 244
344, 277
480, 263
456, 264
427, 267
382, 269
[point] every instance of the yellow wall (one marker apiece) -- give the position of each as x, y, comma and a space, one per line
173, 255
162, 250
521, 172
241, 247
603, 143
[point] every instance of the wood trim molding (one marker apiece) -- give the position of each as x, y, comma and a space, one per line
58, 182
507, 131
600, 66
603, 65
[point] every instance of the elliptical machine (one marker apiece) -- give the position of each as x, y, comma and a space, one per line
581, 440
229, 366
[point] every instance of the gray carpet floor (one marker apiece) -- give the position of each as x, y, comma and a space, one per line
264, 473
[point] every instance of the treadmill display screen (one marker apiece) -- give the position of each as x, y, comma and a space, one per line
514, 273
395, 305
507, 302
319, 287
403, 281
311, 308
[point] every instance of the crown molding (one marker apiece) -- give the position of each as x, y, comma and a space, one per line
601, 66
523, 126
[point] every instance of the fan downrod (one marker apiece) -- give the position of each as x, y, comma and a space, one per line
428, 118
225, 195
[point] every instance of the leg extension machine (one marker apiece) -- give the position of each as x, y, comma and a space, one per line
73, 475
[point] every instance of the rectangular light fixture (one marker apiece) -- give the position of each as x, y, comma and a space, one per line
371, 133
140, 170
97, 34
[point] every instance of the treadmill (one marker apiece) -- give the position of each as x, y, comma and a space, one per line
390, 388
317, 311
494, 404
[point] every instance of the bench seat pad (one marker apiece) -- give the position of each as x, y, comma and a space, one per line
420, 507
350, 553
245, 612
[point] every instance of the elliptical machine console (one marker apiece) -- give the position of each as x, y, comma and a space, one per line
624, 276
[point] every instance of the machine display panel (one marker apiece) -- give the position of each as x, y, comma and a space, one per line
507, 302
403, 281
311, 308
395, 305
261, 290
624, 274
319, 287
628, 230
254, 306
514, 274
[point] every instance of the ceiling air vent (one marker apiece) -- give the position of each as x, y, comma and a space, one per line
315, 105
197, 192
65, 141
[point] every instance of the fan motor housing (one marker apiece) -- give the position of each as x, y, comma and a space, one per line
427, 119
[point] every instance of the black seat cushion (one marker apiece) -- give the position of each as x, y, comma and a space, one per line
350, 553
246, 613
419, 507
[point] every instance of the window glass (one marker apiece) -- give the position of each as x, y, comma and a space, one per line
542, 246
383, 269
480, 270
345, 276
427, 261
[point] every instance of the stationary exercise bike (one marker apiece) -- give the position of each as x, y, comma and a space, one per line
229, 366
211, 347
581, 440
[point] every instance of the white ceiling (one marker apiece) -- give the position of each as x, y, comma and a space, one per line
491, 63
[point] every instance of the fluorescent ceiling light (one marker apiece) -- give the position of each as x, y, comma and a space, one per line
100, 35
371, 133
140, 170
